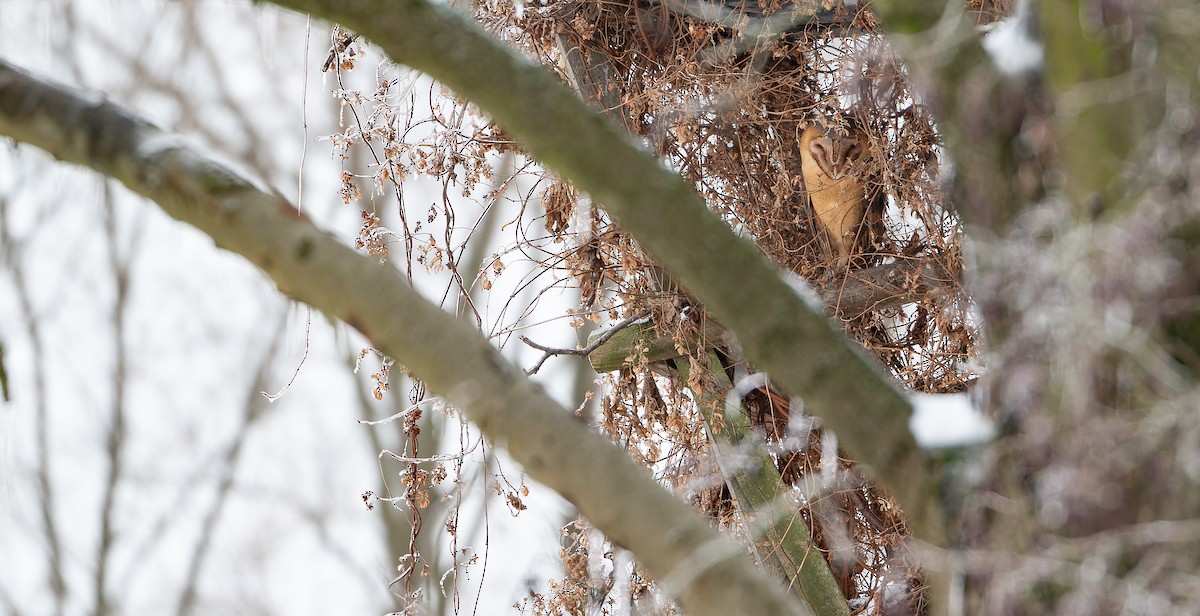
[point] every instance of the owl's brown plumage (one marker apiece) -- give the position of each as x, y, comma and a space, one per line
835, 179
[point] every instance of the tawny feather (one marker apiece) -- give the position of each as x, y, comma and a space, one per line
834, 180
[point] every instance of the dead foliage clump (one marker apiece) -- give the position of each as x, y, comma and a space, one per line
726, 108
722, 92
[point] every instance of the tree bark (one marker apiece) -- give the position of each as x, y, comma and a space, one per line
707, 573
780, 331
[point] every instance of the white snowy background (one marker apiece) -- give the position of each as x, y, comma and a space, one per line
221, 502
178, 381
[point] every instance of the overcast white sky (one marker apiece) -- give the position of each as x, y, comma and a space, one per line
294, 536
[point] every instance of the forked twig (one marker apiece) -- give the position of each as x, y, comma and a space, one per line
549, 352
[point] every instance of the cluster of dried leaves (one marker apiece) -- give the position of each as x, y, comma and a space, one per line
728, 114
725, 109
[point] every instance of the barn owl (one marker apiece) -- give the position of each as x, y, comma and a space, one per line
835, 179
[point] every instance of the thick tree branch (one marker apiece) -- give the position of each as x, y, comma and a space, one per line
711, 574
860, 292
782, 538
981, 111
779, 330
887, 286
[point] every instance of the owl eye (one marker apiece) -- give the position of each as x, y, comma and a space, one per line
822, 151
854, 152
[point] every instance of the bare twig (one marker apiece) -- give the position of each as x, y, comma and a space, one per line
10, 249
253, 410
314, 266
584, 351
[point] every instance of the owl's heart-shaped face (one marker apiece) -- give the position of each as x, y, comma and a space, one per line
836, 155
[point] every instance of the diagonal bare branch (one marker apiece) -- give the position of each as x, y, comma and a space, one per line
780, 331
712, 574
